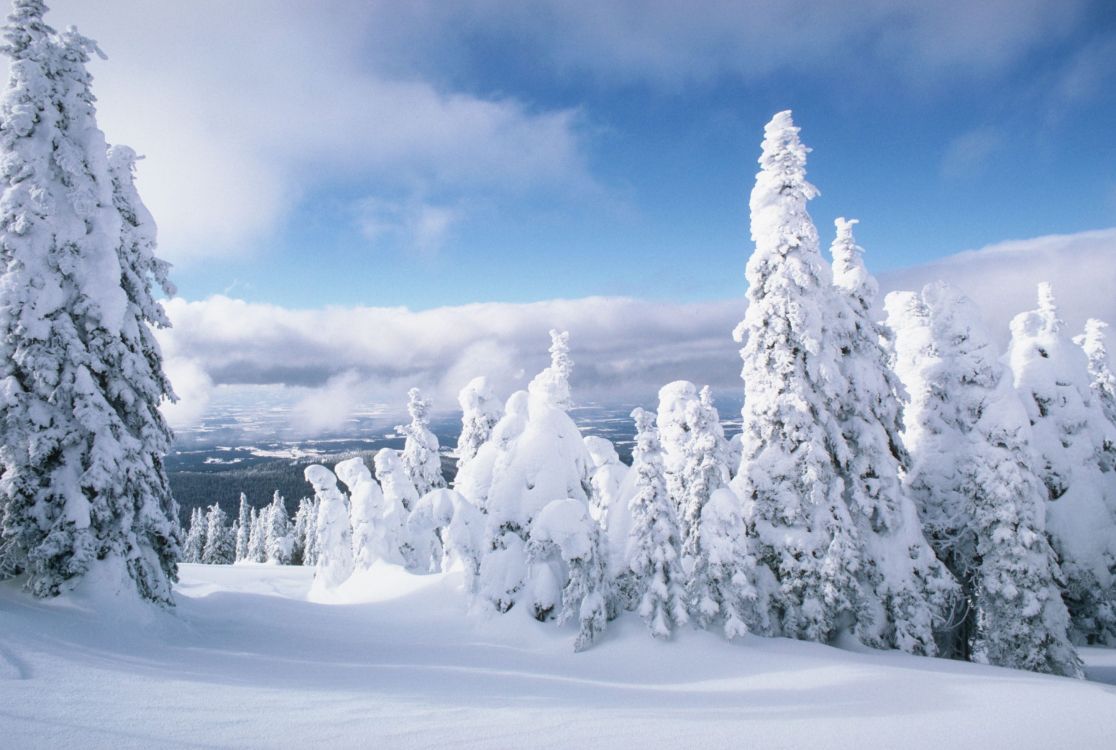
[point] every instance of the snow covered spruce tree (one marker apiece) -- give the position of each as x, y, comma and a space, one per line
400, 498
654, 583
970, 474
83, 481
1076, 445
333, 534
420, 449
480, 411
720, 583
277, 532
195, 538
1100, 369
607, 475
901, 578
536, 455
220, 547
366, 503
789, 478
243, 528
566, 541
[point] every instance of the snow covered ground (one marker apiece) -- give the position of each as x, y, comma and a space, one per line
249, 661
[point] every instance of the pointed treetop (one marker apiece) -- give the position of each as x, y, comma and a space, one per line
849, 271
552, 385
417, 406
1047, 305
644, 420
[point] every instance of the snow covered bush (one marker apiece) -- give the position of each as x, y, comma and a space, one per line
420, 456
981, 503
1075, 443
565, 551
82, 476
333, 534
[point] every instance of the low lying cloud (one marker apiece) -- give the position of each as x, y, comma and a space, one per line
334, 359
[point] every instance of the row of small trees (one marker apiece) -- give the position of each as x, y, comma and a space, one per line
256, 535
977, 522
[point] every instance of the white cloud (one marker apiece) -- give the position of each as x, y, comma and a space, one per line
194, 389
968, 154
418, 226
243, 108
335, 359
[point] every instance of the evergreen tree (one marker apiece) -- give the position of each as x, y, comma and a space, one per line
1076, 445
310, 553
792, 443
83, 478
701, 472
905, 588
298, 534
400, 498
366, 502
277, 532
334, 536
971, 476
420, 449
536, 455
219, 543
606, 477
721, 582
243, 528
1103, 380
655, 584
195, 538
564, 535
480, 411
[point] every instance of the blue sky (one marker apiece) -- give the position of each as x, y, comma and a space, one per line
476, 151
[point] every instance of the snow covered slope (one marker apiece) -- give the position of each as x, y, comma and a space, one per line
247, 661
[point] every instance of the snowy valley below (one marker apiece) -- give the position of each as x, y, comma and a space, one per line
247, 660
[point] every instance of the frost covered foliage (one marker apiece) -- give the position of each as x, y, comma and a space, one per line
970, 473
81, 375
1075, 443
333, 534
278, 544
220, 547
721, 580
791, 442
654, 582
420, 456
905, 588
536, 455
446, 530
194, 545
366, 504
693, 449
568, 570
400, 498
306, 531
607, 475
257, 548
1103, 380
480, 411
243, 528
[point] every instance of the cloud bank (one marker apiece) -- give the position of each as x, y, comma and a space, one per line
624, 349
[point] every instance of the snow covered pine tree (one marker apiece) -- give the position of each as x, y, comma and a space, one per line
83, 443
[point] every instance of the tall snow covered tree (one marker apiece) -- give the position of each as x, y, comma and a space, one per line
219, 543
906, 590
970, 473
791, 443
607, 475
83, 480
333, 533
243, 528
195, 538
536, 455
655, 583
1103, 380
400, 498
1076, 444
420, 449
366, 504
277, 532
298, 531
480, 411
257, 535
